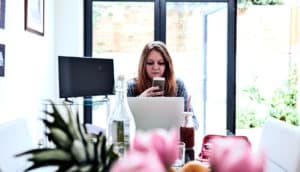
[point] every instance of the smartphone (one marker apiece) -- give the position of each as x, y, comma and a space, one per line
159, 81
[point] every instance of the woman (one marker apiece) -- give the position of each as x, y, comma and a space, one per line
155, 61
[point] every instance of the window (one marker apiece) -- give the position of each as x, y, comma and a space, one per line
201, 39
267, 51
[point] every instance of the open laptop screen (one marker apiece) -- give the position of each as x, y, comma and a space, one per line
157, 112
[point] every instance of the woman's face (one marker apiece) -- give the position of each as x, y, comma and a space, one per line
155, 64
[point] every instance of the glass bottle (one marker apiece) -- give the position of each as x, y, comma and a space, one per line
187, 130
121, 125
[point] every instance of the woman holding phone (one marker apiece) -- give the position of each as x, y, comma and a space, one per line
155, 61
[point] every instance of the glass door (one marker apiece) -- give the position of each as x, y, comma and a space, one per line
196, 34
120, 31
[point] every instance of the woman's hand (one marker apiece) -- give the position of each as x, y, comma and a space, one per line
152, 92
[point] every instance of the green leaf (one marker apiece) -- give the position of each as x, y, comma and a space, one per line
60, 138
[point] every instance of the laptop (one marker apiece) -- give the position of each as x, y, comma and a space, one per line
157, 112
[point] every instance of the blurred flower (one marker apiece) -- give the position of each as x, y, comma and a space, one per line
232, 154
135, 161
149, 152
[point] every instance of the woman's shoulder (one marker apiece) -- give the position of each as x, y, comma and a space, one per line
179, 82
180, 87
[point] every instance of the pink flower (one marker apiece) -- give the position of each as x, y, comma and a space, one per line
232, 154
154, 151
165, 145
135, 161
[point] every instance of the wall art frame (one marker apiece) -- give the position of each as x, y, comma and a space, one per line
2, 60
35, 16
2, 14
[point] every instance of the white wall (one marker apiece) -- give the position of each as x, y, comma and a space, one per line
69, 33
31, 60
69, 27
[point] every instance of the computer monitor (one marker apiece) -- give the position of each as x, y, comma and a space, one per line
83, 76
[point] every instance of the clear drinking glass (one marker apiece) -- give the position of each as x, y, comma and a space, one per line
179, 162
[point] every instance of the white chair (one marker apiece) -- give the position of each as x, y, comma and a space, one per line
15, 138
281, 142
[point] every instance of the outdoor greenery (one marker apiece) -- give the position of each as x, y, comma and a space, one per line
261, 2
247, 119
244, 4
282, 105
247, 116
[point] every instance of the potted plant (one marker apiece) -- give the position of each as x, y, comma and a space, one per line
73, 148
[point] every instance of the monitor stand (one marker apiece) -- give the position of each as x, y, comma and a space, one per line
68, 100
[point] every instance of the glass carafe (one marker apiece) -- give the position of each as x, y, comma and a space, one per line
120, 124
